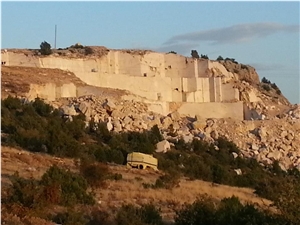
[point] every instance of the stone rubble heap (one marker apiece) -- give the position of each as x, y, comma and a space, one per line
265, 140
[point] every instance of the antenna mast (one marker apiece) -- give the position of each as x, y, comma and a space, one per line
55, 37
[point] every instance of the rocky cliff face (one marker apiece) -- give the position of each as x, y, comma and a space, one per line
244, 72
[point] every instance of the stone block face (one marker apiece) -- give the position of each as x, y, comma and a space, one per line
163, 146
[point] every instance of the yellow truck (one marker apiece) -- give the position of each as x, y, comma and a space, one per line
141, 161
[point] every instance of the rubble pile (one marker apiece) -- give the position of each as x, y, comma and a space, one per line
266, 140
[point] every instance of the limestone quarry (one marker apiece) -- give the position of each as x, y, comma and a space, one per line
133, 90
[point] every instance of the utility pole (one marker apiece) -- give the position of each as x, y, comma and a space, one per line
55, 38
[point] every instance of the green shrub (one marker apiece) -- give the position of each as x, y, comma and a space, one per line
37, 127
201, 212
116, 176
205, 211
88, 50
150, 214
99, 217
228, 210
94, 173
265, 80
274, 86
11, 103
70, 217
218, 174
196, 168
195, 54
168, 181
266, 87
181, 145
220, 58
155, 135
41, 108
204, 57
232, 60
27, 192
131, 215
45, 48
73, 187
57, 186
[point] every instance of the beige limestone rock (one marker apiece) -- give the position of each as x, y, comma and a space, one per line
68, 110
109, 124
175, 116
275, 155
214, 134
163, 146
199, 124
166, 122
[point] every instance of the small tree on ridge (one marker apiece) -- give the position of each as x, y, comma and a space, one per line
45, 48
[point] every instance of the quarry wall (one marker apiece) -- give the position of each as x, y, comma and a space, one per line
154, 76
51, 91
213, 110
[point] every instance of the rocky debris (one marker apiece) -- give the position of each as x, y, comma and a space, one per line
294, 113
264, 140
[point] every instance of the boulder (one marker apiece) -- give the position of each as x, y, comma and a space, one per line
127, 120
210, 122
254, 147
214, 134
238, 171
188, 138
290, 137
183, 130
284, 133
262, 133
200, 123
117, 114
84, 107
175, 116
163, 146
117, 125
275, 155
109, 105
235, 155
109, 124
68, 110
176, 126
166, 122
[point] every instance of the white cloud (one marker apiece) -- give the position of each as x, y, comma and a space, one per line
267, 67
181, 48
233, 34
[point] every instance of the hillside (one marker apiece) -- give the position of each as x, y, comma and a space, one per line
129, 189
72, 119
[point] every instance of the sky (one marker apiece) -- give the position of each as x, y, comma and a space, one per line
264, 35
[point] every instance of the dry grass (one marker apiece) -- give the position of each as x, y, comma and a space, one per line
27, 164
128, 190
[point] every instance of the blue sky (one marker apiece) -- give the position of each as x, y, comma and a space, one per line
262, 34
